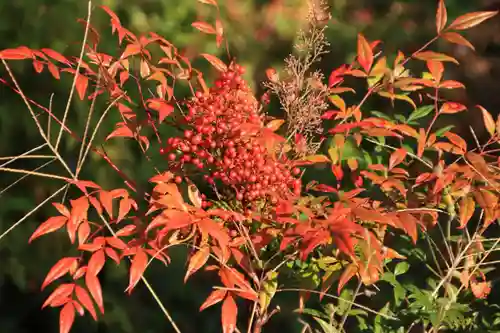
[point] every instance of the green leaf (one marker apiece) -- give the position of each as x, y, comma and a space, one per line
420, 112
326, 327
312, 312
344, 301
401, 268
400, 117
381, 115
443, 130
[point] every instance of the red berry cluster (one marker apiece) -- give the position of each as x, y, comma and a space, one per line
215, 145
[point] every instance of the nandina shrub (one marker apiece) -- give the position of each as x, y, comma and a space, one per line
230, 187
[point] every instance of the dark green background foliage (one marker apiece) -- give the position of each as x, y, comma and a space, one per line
404, 25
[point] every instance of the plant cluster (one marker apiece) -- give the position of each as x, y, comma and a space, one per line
259, 222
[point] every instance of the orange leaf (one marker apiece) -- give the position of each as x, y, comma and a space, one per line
59, 269
209, 2
441, 16
470, 20
365, 53
164, 109
194, 195
131, 50
81, 85
452, 107
436, 69
421, 142
84, 298
456, 140
431, 55
59, 295
94, 287
66, 318
480, 289
456, 38
347, 274
96, 262
216, 62
466, 207
229, 314
451, 84
489, 123
204, 27
275, 124
197, 261
137, 268
315, 159
52, 224
397, 157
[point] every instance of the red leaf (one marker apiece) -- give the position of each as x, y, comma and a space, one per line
122, 130
216, 62
38, 66
83, 233
441, 16
66, 318
197, 261
215, 297
19, 53
365, 53
164, 109
204, 27
397, 157
56, 56
470, 20
116, 242
79, 209
82, 83
53, 70
52, 224
229, 314
107, 202
61, 209
124, 208
59, 269
60, 294
84, 298
137, 268
96, 262
94, 286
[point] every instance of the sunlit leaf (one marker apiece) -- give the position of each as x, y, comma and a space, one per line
470, 20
